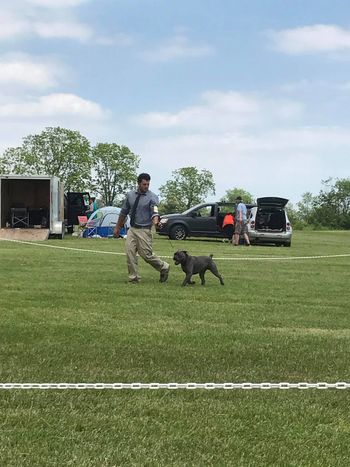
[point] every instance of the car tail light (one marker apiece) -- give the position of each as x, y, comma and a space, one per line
252, 224
288, 226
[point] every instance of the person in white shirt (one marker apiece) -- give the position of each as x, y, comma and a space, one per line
241, 226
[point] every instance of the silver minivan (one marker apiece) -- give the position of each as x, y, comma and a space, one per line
268, 222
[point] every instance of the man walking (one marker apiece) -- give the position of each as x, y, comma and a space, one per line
241, 227
142, 205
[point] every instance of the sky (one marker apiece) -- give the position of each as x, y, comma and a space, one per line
257, 92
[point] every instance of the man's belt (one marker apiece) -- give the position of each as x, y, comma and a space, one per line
136, 226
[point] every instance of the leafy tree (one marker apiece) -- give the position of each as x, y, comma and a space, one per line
55, 151
188, 187
331, 208
16, 161
294, 217
114, 169
231, 195
305, 208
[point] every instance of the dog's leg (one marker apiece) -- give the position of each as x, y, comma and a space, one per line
187, 268
187, 279
221, 279
215, 271
201, 275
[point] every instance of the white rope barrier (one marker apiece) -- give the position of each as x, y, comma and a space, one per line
245, 258
174, 386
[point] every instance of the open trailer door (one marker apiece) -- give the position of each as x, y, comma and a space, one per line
31, 207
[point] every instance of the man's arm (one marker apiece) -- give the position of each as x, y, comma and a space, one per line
240, 213
155, 212
122, 217
155, 217
119, 225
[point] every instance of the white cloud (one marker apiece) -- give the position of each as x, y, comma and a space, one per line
51, 19
267, 145
318, 38
178, 47
53, 105
283, 163
120, 40
56, 4
13, 26
43, 18
63, 30
222, 111
24, 72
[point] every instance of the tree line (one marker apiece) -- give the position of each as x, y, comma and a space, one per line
330, 209
109, 170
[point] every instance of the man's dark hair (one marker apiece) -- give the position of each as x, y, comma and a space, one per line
239, 198
143, 176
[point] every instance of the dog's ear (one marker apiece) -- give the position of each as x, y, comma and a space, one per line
185, 252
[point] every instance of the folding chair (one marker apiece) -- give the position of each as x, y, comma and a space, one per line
82, 224
90, 227
19, 217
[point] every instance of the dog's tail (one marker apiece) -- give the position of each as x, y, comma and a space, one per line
211, 255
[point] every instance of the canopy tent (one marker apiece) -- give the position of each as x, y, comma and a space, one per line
102, 223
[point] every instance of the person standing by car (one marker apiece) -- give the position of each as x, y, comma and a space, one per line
241, 227
142, 205
228, 225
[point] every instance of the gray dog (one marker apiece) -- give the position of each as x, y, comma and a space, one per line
196, 265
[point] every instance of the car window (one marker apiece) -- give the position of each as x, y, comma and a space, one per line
206, 211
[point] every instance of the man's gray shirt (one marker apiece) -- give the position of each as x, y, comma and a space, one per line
146, 209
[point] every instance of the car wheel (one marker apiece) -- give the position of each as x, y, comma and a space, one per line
178, 232
288, 244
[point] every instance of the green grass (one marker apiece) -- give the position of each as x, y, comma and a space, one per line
71, 316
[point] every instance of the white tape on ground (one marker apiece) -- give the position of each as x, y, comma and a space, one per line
63, 247
245, 258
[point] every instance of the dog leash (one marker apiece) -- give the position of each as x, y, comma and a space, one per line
171, 243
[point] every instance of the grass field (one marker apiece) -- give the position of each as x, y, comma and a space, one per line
70, 316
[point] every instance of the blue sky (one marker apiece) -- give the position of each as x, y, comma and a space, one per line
257, 92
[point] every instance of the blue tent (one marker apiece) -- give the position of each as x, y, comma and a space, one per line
102, 222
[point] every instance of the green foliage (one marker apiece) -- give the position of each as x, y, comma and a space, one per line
17, 161
293, 216
330, 209
55, 151
114, 169
188, 187
231, 195
305, 210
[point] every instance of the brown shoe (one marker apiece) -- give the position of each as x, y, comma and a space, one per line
164, 274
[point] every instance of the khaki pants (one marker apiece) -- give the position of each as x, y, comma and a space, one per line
140, 241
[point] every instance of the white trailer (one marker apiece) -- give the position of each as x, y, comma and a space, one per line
31, 207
